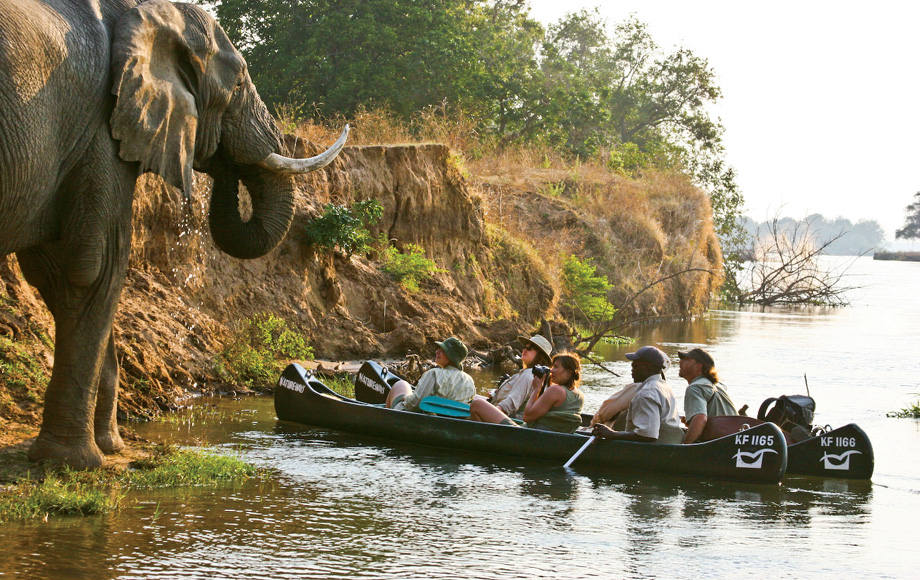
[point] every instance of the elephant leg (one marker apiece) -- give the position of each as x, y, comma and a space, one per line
80, 277
105, 426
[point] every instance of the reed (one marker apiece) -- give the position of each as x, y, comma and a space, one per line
60, 491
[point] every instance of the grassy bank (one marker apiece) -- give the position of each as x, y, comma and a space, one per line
32, 492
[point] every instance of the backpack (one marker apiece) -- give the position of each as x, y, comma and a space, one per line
788, 411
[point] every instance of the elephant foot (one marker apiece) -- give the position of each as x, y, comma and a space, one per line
109, 441
77, 453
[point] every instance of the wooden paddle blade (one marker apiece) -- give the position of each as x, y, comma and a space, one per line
445, 407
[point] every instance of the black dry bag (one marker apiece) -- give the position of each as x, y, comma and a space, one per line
788, 411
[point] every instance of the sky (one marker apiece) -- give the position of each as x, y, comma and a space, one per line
821, 100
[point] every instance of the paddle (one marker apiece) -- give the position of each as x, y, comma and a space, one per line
445, 407
580, 451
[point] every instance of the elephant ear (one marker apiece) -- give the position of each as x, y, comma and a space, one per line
159, 58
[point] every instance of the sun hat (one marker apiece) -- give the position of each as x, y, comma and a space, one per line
699, 355
651, 355
455, 350
538, 341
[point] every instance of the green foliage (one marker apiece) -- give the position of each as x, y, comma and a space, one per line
586, 293
408, 267
343, 385
19, 369
60, 491
65, 493
911, 229
260, 350
189, 467
910, 412
345, 228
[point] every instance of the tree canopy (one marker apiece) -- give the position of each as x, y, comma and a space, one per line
911, 229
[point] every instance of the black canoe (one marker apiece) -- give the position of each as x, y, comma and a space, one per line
757, 455
844, 453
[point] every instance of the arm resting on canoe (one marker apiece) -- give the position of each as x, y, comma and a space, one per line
695, 427
602, 431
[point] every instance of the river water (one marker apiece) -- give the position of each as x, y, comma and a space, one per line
347, 507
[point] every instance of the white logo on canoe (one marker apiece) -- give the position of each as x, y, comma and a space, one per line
751, 460
370, 383
291, 385
841, 461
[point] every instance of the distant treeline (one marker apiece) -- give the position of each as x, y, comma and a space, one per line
865, 236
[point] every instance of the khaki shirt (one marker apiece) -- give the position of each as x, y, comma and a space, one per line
702, 397
653, 412
449, 382
512, 396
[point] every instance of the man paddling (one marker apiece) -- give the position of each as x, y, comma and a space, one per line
652, 415
705, 396
446, 380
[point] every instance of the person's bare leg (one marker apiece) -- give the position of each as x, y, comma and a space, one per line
398, 388
486, 412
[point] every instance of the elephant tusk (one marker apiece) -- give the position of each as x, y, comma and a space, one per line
281, 164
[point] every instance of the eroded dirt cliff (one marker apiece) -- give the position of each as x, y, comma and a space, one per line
491, 236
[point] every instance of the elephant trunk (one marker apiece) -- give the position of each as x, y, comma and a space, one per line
272, 209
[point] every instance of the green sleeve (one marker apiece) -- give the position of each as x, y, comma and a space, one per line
694, 402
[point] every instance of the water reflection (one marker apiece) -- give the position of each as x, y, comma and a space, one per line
343, 506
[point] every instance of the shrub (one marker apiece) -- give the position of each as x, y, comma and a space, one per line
344, 228
259, 352
410, 267
586, 294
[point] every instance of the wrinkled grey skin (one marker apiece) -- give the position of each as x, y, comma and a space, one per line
93, 93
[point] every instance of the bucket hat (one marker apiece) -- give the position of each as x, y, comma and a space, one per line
455, 350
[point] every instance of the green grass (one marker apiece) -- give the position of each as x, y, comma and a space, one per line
343, 385
909, 412
186, 468
62, 491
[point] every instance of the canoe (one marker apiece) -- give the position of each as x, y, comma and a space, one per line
757, 455
842, 453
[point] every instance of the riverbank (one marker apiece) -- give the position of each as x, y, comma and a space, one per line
498, 230
899, 256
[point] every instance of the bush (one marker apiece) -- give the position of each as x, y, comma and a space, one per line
344, 228
586, 294
259, 352
408, 268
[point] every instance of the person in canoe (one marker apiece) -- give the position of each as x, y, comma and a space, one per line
446, 379
512, 395
652, 415
705, 396
556, 407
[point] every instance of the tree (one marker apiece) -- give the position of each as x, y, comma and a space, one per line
786, 266
403, 54
911, 229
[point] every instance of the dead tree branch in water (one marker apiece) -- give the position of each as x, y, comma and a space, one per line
787, 266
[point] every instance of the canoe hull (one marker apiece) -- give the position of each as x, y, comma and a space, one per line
757, 455
845, 453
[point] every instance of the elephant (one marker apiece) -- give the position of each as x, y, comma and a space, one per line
94, 93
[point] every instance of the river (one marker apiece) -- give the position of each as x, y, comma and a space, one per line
346, 507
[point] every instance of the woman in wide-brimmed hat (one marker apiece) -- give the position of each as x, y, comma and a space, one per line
512, 395
446, 379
